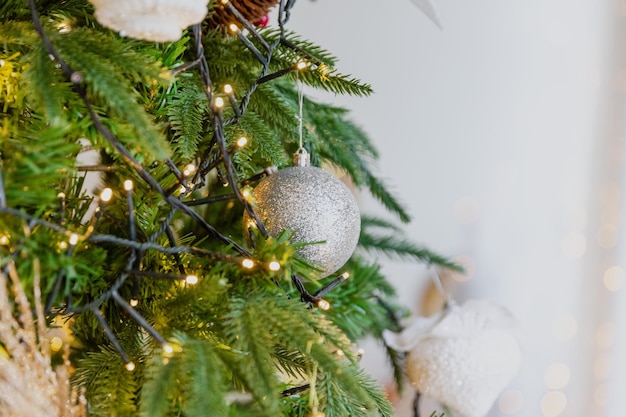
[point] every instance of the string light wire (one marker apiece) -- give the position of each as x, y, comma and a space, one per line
137, 249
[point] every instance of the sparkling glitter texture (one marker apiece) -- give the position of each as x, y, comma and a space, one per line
463, 357
317, 208
466, 359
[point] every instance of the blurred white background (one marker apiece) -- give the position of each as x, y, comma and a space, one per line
504, 135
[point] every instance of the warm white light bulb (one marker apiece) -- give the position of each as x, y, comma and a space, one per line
189, 169
219, 102
64, 27
73, 239
233, 27
242, 141
191, 279
4, 240
168, 349
106, 195
247, 263
56, 343
323, 305
274, 266
128, 185
301, 65
228, 89
134, 302
130, 366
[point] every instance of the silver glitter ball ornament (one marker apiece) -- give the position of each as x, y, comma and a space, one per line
317, 208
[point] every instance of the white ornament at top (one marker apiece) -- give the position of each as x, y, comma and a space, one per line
463, 358
151, 20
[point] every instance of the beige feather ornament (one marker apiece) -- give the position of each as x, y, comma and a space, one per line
29, 385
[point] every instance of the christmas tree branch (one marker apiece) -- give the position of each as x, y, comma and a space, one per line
110, 335
172, 241
218, 129
76, 79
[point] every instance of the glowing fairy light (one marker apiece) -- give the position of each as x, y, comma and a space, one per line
247, 263
219, 102
56, 343
4, 240
130, 366
323, 305
301, 65
106, 195
242, 141
233, 27
64, 27
228, 89
189, 169
73, 239
134, 302
128, 185
191, 279
274, 266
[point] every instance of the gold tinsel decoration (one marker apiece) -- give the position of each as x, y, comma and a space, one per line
252, 10
29, 385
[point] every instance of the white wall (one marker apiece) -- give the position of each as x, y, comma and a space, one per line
495, 132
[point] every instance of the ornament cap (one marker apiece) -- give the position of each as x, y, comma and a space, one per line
301, 158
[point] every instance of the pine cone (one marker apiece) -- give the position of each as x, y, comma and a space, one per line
252, 10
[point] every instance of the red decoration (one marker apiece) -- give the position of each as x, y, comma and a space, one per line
263, 21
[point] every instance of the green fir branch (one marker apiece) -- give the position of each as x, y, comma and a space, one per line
397, 362
110, 389
14, 32
336, 402
249, 335
397, 246
293, 55
195, 371
329, 79
380, 191
187, 116
109, 88
38, 160
158, 388
321, 72
264, 146
278, 111
46, 91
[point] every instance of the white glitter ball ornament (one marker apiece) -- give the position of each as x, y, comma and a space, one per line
151, 20
463, 358
316, 207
